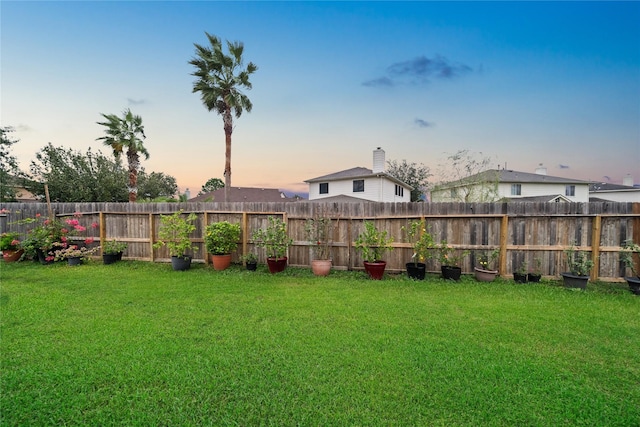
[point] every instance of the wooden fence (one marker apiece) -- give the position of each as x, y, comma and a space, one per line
522, 231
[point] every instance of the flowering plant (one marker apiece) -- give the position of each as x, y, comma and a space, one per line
450, 256
487, 262
319, 231
9, 241
74, 251
422, 241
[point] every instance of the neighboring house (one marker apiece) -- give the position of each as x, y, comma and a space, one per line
245, 194
503, 184
626, 192
357, 184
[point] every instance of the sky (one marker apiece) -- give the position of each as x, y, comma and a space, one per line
522, 83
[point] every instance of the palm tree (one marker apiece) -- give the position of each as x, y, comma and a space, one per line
126, 133
220, 78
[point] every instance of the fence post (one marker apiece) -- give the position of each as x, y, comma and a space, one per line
245, 232
504, 233
595, 246
152, 234
204, 231
103, 232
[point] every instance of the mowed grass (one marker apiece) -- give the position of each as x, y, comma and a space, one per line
138, 344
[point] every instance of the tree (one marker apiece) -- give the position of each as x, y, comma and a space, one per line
126, 133
211, 185
468, 178
414, 174
9, 170
220, 78
73, 176
156, 185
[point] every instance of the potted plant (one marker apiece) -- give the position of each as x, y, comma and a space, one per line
423, 244
250, 260
450, 259
319, 231
276, 241
74, 254
373, 243
579, 268
520, 273
486, 270
221, 239
535, 275
629, 248
10, 246
174, 233
112, 251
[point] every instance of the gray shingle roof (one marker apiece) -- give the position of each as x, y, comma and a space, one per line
244, 194
358, 172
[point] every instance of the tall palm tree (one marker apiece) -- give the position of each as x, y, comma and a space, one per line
220, 78
126, 133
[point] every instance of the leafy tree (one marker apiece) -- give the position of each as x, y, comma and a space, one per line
467, 177
211, 185
156, 185
126, 133
8, 166
76, 177
414, 174
220, 78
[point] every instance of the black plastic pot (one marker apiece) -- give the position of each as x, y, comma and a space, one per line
416, 271
450, 272
520, 278
634, 284
181, 263
574, 281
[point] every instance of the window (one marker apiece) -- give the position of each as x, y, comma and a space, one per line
324, 188
358, 186
399, 190
570, 190
516, 189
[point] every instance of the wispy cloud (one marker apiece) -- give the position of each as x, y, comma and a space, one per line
419, 70
136, 101
422, 123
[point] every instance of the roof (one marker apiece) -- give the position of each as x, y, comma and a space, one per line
517, 177
353, 173
603, 187
545, 198
341, 198
244, 194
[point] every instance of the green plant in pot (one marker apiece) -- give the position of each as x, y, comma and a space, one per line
423, 244
536, 274
520, 273
628, 253
174, 232
372, 244
112, 251
250, 260
486, 271
580, 266
450, 259
10, 246
221, 240
275, 239
319, 232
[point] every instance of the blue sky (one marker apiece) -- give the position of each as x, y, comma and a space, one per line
524, 83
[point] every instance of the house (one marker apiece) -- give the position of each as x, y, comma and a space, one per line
245, 194
504, 184
359, 183
627, 192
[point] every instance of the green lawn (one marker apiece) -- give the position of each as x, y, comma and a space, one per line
138, 344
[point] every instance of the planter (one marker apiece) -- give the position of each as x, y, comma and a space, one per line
485, 275
375, 270
451, 272
111, 258
574, 281
520, 278
12, 256
321, 267
416, 271
181, 263
252, 266
42, 257
534, 278
74, 261
221, 262
276, 265
634, 284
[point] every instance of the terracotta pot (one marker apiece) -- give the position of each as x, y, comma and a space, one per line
451, 272
321, 267
221, 262
375, 270
276, 265
485, 275
416, 271
12, 256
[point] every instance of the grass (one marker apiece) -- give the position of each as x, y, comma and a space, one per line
137, 344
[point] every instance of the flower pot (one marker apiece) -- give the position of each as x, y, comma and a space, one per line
181, 263
533, 278
483, 275
375, 270
451, 272
252, 266
634, 284
74, 261
221, 262
575, 281
44, 257
321, 267
416, 271
111, 258
12, 256
520, 278
276, 265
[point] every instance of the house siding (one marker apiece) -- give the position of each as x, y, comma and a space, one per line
377, 189
539, 189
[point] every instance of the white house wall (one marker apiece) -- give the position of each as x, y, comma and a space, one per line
618, 196
375, 189
545, 189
